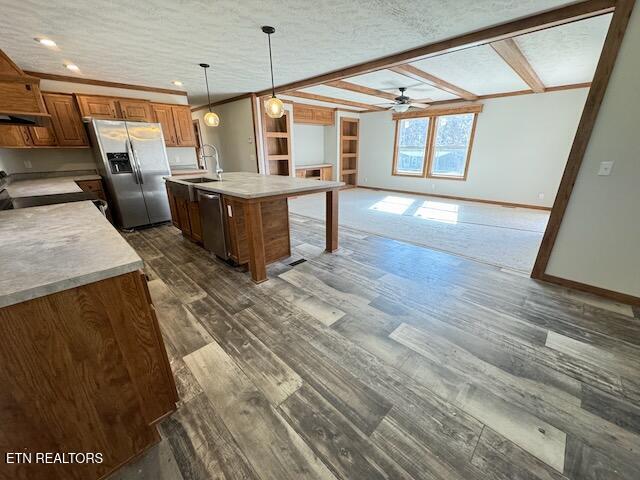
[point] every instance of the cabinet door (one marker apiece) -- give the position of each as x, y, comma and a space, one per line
42, 136
182, 209
98, 107
184, 125
164, 117
14, 136
302, 113
172, 207
326, 173
323, 116
136, 110
66, 120
194, 221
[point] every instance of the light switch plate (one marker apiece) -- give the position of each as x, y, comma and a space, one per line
605, 168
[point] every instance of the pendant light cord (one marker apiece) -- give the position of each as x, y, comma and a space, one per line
206, 80
273, 88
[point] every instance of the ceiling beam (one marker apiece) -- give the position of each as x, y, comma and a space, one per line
510, 52
533, 23
352, 87
338, 101
103, 83
424, 77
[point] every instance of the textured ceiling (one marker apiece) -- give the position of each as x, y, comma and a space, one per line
479, 70
155, 42
566, 54
391, 81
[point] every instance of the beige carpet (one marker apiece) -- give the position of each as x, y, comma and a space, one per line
502, 236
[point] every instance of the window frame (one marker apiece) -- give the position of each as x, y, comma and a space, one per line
394, 167
430, 148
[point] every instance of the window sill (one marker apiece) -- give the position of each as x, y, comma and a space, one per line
414, 175
448, 177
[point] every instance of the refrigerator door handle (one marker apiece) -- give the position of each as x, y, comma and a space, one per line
135, 159
132, 162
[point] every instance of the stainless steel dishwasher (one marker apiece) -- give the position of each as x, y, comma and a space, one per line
212, 220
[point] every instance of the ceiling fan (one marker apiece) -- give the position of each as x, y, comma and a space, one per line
402, 102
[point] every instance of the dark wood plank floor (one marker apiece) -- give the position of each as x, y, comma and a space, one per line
386, 361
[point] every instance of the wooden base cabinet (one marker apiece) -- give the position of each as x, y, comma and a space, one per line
185, 214
83, 370
275, 227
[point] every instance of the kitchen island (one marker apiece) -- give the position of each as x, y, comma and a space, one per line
84, 367
256, 215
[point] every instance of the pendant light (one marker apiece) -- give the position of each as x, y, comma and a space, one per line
274, 106
211, 119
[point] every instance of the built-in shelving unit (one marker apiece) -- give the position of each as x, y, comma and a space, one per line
277, 144
349, 136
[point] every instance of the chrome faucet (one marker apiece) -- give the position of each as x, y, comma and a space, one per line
204, 157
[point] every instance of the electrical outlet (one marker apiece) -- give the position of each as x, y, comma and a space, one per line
605, 168
365, 179
541, 196
27, 164
433, 186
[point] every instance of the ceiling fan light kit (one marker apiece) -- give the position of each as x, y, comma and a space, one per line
274, 106
211, 119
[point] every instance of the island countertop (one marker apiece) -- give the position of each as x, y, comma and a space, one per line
253, 185
52, 248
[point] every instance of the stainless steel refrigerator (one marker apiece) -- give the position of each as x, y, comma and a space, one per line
132, 160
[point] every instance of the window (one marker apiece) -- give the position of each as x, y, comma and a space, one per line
451, 146
437, 147
411, 142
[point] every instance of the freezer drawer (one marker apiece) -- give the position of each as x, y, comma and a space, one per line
213, 223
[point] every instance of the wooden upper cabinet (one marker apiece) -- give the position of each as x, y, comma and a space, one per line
98, 106
136, 110
42, 137
185, 135
164, 116
313, 115
13, 136
66, 120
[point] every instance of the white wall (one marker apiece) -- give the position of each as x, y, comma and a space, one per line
234, 137
309, 144
519, 151
12, 160
599, 240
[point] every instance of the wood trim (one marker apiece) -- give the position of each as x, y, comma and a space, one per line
421, 76
510, 52
432, 138
597, 92
256, 130
571, 86
352, 87
338, 101
441, 110
222, 102
465, 199
602, 292
541, 21
103, 83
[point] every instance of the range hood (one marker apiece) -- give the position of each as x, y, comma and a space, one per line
21, 102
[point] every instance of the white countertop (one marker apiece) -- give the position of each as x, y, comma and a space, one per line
56, 247
47, 186
254, 185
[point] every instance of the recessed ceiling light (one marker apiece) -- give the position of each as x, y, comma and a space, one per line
177, 83
47, 42
72, 67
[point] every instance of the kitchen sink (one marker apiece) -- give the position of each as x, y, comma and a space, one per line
199, 180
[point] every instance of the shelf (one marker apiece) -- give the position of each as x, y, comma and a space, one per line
349, 172
349, 137
278, 157
349, 155
277, 134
